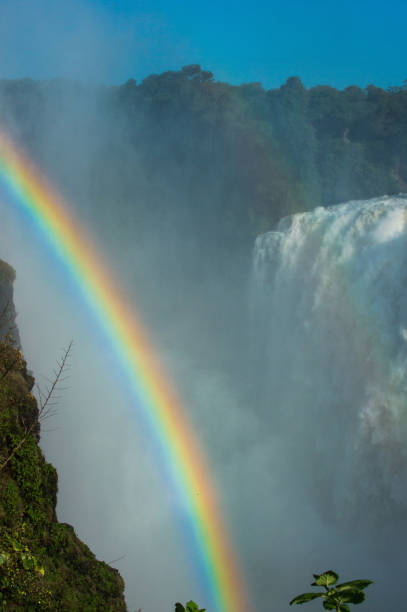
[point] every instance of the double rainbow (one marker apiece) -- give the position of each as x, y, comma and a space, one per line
151, 390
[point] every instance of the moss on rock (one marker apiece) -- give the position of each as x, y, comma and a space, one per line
43, 564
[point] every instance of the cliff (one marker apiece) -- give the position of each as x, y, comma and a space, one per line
43, 565
8, 326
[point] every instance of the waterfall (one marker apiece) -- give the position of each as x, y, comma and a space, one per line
330, 323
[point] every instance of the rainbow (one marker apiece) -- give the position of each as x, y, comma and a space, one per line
152, 392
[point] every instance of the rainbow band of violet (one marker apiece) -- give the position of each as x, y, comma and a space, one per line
160, 405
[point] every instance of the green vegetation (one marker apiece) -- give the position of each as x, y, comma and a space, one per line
248, 156
177, 152
43, 565
181, 149
42, 562
189, 170
191, 606
336, 596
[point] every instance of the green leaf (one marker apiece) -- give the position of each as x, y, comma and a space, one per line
4, 557
300, 599
353, 596
325, 579
16, 546
179, 607
192, 607
28, 561
354, 584
332, 606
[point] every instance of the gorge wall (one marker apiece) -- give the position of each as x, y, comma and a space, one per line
43, 565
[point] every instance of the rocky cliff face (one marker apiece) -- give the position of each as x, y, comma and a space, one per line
8, 328
43, 565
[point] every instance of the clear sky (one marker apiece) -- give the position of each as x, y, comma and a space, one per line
322, 41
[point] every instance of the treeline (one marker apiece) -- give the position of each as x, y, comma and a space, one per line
181, 147
249, 156
179, 173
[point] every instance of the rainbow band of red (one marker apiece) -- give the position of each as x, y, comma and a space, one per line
158, 400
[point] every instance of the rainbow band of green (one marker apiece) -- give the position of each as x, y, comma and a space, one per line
159, 403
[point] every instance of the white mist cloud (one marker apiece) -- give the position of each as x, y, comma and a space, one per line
111, 486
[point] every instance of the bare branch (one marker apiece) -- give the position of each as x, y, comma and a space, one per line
118, 559
10, 367
58, 373
46, 405
19, 445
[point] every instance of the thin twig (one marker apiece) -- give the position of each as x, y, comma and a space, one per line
58, 374
19, 445
45, 410
115, 560
10, 367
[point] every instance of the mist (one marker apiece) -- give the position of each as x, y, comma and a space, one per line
111, 488
287, 349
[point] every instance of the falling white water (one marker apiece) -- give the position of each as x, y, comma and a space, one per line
330, 317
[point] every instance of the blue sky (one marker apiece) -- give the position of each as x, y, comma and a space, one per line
324, 42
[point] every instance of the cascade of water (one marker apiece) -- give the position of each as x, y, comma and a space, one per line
330, 310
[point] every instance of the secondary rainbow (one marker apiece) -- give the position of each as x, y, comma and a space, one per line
152, 391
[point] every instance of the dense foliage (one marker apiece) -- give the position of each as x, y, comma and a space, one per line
234, 159
43, 565
189, 170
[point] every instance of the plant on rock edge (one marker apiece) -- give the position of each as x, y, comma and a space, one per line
191, 606
335, 597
